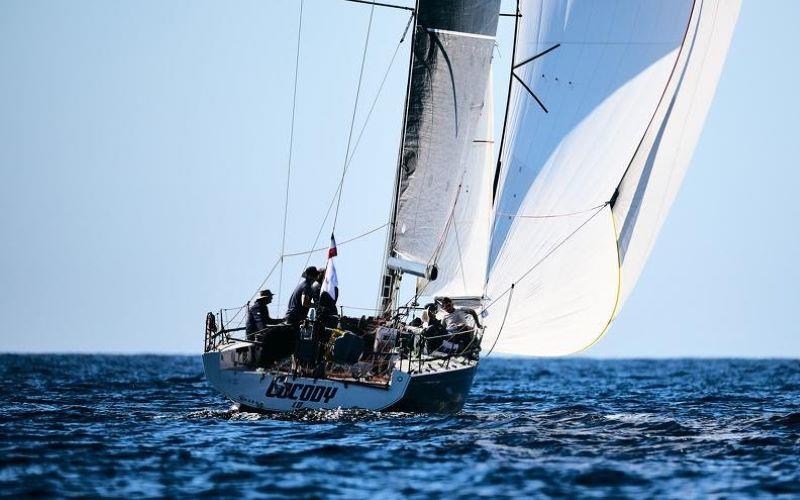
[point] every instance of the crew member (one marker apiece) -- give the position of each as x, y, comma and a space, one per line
326, 318
316, 287
434, 331
456, 319
456, 324
258, 316
301, 298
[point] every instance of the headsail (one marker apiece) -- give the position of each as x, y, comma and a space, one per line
453, 45
626, 86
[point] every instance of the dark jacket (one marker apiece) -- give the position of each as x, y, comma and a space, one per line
296, 311
258, 317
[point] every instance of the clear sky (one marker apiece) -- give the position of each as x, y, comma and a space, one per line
143, 151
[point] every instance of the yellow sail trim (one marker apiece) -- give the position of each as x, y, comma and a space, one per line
619, 286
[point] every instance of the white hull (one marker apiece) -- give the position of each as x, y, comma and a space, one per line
434, 386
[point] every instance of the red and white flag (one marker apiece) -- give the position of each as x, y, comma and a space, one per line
332, 250
330, 283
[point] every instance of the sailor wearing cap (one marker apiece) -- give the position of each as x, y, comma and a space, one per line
258, 316
300, 300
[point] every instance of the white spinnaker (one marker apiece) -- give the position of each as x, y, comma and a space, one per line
463, 257
554, 236
565, 284
656, 174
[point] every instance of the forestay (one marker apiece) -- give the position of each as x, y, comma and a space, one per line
453, 45
583, 188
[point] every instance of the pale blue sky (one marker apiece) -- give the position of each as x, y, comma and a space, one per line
143, 151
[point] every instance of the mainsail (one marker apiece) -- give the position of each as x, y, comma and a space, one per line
607, 103
463, 256
452, 52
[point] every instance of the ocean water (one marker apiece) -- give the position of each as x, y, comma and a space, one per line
151, 426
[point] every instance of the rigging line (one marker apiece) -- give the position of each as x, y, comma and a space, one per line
439, 246
361, 134
338, 244
550, 216
460, 256
380, 88
279, 261
548, 254
291, 147
231, 320
502, 323
353, 119
450, 220
455, 231
443, 237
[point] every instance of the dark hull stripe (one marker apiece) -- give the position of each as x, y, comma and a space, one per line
443, 392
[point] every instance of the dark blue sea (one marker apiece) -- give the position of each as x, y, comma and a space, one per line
150, 426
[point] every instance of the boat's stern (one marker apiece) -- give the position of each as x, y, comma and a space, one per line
395, 372
211, 367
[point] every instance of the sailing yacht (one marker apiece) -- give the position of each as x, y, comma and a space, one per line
539, 236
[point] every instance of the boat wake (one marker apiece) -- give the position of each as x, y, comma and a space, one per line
301, 415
